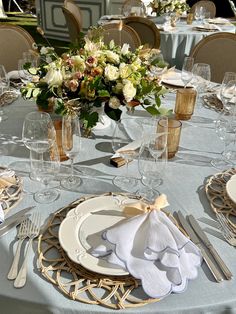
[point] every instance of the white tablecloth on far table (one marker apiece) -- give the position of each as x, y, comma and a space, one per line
183, 184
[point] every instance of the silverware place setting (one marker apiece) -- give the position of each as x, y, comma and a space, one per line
29, 229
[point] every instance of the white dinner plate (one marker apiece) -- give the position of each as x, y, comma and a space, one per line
175, 81
82, 228
231, 189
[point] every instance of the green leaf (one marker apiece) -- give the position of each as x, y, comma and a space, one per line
152, 110
103, 93
29, 93
36, 91
157, 100
114, 114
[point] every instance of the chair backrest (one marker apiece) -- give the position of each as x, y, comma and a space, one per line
121, 35
74, 9
133, 7
146, 29
219, 51
206, 4
74, 27
14, 40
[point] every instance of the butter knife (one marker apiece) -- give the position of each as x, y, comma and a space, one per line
6, 229
210, 247
14, 218
215, 272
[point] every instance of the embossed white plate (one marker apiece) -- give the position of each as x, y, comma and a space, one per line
82, 229
231, 188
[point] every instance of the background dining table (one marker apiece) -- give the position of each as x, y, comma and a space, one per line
183, 183
178, 42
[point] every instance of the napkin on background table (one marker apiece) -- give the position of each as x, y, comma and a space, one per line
151, 248
207, 27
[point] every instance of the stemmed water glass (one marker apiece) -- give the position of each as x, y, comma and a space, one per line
187, 70
199, 13
201, 76
228, 95
225, 128
45, 170
71, 143
38, 133
126, 141
151, 163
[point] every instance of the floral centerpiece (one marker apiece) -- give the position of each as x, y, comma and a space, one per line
161, 7
92, 75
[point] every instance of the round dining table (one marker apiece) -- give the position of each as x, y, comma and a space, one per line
177, 42
183, 182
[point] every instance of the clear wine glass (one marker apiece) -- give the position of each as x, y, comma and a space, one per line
228, 96
151, 163
187, 70
45, 169
225, 129
199, 13
71, 143
38, 133
24, 74
126, 141
4, 87
202, 76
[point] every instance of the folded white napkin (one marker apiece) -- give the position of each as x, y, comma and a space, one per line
218, 20
4, 173
1, 213
151, 248
208, 27
168, 28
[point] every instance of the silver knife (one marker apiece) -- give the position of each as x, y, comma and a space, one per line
5, 230
208, 244
15, 217
215, 272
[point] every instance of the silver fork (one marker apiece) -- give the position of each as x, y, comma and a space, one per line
33, 228
22, 234
225, 229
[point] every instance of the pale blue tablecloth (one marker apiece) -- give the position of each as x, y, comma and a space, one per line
183, 183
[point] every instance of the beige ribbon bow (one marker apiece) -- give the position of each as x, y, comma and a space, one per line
140, 207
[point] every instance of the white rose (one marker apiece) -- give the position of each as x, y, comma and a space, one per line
112, 57
46, 50
54, 77
125, 49
129, 90
114, 103
111, 72
125, 70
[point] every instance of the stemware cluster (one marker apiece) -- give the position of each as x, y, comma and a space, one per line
139, 139
39, 136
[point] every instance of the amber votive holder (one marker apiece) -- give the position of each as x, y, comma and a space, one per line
173, 138
190, 18
185, 103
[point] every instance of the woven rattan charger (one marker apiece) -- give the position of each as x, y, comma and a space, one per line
78, 283
219, 200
